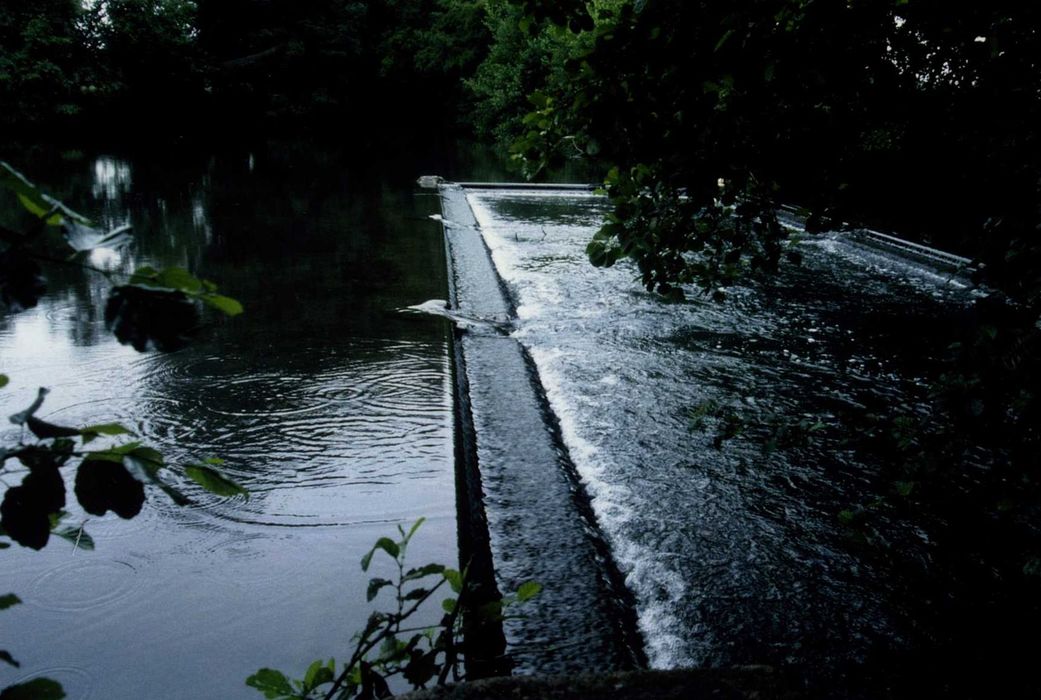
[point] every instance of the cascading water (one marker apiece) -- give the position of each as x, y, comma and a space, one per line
711, 437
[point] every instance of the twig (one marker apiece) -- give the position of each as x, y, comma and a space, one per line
364, 647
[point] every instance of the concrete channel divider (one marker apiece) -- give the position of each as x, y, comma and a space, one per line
524, 515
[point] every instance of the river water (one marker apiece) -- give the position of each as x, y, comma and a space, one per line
330, 406
714, 438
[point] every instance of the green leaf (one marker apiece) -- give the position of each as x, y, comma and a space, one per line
8, 600
528, 590
144, 464
318, 674
723, 39
273, 684
428, 570
213, 481
119, 453
92, 431
77, 536
105, 456
6, 657
412, 530
448, 605
375, 585
227, 305
4, 380
144, 276
34, 200
36, 689
454, 578
180, 279
387, 545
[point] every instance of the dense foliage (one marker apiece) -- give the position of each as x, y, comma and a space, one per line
171, 67
393, 646
902, 114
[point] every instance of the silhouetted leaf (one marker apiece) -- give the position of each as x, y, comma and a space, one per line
22, 416
6, 657
416, 594
8, 600
36, 689
45, 430
374, 587
26, 509
421, 668
24, 519
213, 481
47, 488
102, 486
4, 380
422, 571
151, 318
21, 281
373, 684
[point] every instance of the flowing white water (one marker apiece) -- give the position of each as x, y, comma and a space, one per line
734, 553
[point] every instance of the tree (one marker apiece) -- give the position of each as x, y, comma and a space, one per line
40, 62
153, 66
859, 111
905, 114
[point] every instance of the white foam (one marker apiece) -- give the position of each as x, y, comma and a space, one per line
658, 588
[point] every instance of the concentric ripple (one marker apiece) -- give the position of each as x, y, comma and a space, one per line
83, 584
78, 683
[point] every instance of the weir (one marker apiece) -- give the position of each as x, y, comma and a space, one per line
617, 442
538, 523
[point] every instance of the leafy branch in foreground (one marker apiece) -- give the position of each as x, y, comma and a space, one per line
388, 647
152, 310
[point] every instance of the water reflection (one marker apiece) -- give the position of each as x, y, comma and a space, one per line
328, 405
111, 178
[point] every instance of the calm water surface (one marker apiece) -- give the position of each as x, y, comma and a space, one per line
331, 407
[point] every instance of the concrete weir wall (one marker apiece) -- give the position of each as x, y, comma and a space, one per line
521, 495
